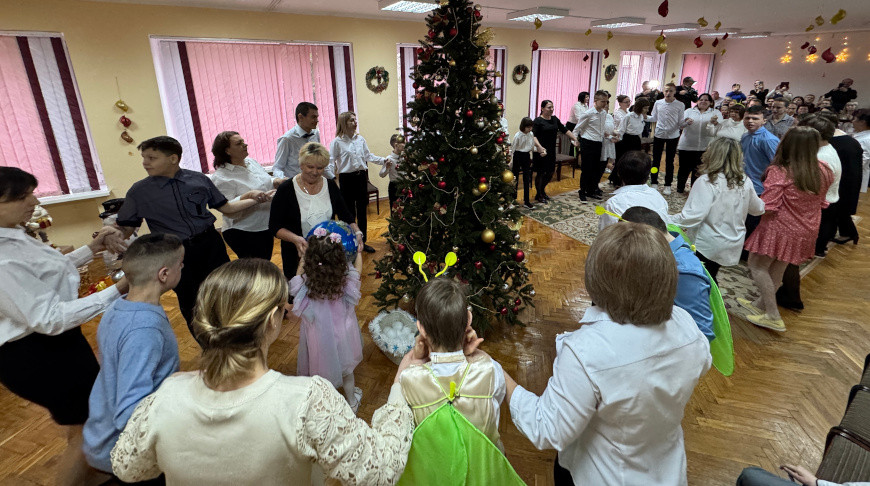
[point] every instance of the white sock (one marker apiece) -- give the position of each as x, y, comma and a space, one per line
348, 386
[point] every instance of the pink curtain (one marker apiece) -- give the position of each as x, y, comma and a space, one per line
699, 67
24, 142
323, 92
562, 76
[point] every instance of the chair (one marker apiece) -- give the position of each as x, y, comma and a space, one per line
865, 375
857, 417
846, 458
374, 194
564, 156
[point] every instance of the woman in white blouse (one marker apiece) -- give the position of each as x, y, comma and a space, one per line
44, 358
731, 125
235, 175
694, 139
715, 212
238, 422
861, 123
580, 107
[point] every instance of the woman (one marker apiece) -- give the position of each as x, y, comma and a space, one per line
578, 109
798, 100
44, 358
694, 139
621, 382
350, 155
631, 127
851, 155
731, 125
716, 210
844, 119
546, 128
304, 201
861, 123
247, 233
238, 422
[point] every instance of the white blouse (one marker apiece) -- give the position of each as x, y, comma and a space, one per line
577, 110
524, 142
233, 181
727, 128
695, 136
314, 208
39, 288
631, 124
864, 139
828, 155
350, 154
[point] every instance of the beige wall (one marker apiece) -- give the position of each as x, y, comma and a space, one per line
108, 40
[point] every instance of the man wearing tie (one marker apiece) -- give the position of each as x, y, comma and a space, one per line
289, 144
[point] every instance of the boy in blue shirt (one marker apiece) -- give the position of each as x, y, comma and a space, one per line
136, 342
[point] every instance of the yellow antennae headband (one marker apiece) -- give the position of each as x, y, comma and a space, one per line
420, 259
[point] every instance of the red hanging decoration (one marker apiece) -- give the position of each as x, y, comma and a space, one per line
715, 42
698, 42
663, 9
606, 53
534, 45
829, 56
725, 36
586, 58
125, 121
812, 50
805, 45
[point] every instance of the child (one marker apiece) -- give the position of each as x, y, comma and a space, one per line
444, 322
524, 144
326, 290
136, 342
391, 164
633, 171
668, 114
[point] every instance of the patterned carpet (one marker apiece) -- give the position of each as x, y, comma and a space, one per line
570, 216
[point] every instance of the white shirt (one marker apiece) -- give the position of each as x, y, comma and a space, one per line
350, 154
270, 432
618, 116
39, 288
591, 125
317, 208
864, 139
524, 142
577, 110
668, 117
636, 195
695, 136
287, 155
828, 155
631, 124
608, 148
233, 181
614, 404
390, 168
727, 128
715, 216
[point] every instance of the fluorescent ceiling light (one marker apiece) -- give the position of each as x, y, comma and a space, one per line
712, 33
618, 22
752, 35
675, 28
541, 13
413, 6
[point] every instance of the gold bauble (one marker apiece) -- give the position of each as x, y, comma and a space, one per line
406, 299
475, 192
473, 150
507, 176
451, 63
483, 38
482, 187
480, 66
488, 236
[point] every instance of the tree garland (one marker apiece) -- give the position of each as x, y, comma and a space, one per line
382, 76
520, 73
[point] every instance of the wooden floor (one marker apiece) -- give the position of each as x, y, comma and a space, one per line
787, 391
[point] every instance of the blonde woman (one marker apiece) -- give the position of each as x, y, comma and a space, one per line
715, 212
238, 422
349, 157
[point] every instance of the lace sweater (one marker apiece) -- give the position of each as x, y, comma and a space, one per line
268, 433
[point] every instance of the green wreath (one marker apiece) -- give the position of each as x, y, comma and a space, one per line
520, 73
381, 75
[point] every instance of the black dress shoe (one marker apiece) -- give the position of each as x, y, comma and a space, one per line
546, 197
843, 241
582, 196
368, 249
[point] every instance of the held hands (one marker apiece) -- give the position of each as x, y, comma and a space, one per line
800, 474
108, 238
575, 143
258, 196
714, 121
301, 245
689, 121
542, 152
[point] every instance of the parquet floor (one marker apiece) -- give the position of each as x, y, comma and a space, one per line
787, 391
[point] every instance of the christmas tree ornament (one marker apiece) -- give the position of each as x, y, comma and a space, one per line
478, 264
122, 106
840, 15
811, 27
534, 45
484, 38
520, 256
473, 150
663, 9
702, 22
499, 140
126, 137
481, 123
480, 66
725, 37
487, 236
453, 32
451, 63
492, 247
378, 274
482, 187
518, 301
482, 179
400, 247
507, 177
660, 44
718, 24
469, 113
812, 50
588, 31
503, 311
516, 309
532, 292
437, 100
805, 45
715, 42
442, 185
475, 192
609, 35
406, 299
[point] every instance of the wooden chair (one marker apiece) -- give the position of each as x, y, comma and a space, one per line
563, 156
846, 458
857, 417
374, 195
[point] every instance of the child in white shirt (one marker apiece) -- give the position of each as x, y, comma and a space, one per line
391, 164
524, 144
633, 171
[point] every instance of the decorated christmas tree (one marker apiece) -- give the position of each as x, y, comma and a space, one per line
456, 193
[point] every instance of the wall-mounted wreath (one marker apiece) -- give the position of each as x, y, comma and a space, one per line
377, 79
520, 73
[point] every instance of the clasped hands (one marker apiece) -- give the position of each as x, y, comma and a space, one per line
259, 196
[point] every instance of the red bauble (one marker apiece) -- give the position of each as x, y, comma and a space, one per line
469, 113
442, 184
482, 180
378, 274
421, 185
431, 34
420, 51
400, 247
518, 301
829, 56
478, 265
441, 159
125, 121
520, 256
504, 311
437, 99
516, 309
453, 32
499, 140
477, 14
415, 85
492, 247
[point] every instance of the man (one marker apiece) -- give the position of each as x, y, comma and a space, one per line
779, 121
759, 92
759, 146
826, 104
650, 93
735, 93
590, 131
791, 109
287, 155
842, 95
717, 100
687, 94
668, 114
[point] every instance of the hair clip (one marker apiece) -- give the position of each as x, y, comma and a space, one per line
335, 237
420, 259
320, 232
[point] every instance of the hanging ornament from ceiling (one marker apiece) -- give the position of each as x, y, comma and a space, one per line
538, 23
586, 58
805, 45
607, 53
663, 9
534, 45
609, 35
698, 42
588, 31
718, 24
840, 15
702, 22
715, 42
660, 43
725, 36
820, 21
829, 56
812, 50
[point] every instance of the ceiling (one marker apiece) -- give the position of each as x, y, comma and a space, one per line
777, 16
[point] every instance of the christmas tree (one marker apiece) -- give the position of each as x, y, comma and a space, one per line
456, 193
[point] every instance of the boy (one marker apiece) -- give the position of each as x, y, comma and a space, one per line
176, 201
444, 321
136, 343
590, 132
668, 114
693, 286
633, 170
735, 93
391, 164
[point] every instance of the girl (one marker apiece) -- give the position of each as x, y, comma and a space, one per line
524, 144
326, 290
731, 125
794, 195
608, 144
716, 210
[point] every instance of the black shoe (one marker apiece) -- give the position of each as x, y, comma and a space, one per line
599, 193
546, 197
368, 249
529, 205
596, 196
582, 196
795, 306
843, 241
821, 254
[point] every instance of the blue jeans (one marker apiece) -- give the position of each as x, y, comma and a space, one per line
755, 476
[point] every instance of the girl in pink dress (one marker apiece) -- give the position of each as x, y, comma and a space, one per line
326, 290
794, 195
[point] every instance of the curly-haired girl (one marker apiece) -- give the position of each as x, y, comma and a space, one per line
326, 290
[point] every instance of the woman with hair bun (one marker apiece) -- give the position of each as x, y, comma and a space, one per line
238, 422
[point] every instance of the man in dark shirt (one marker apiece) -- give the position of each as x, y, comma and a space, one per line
842, 95
686, 93
760, 91
176, 201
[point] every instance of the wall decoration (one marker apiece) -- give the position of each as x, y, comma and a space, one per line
519, 74
124, 120
379, 74
609, 72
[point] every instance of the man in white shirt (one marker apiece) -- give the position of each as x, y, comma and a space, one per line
590, 131
287, 156
668, 115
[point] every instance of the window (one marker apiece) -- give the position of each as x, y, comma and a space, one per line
42, 120
635, 67
700, 68
207, 87
406, 59
559, 75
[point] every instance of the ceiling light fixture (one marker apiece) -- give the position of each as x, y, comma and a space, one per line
730, 32
541, 13
412, 6
618, 23
752, 35
675, 28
